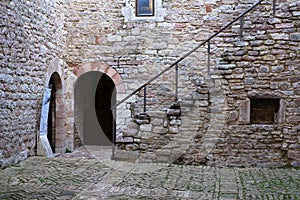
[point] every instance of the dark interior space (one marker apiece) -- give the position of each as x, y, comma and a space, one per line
51, 116
264, 111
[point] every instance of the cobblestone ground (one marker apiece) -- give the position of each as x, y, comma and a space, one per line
88, 178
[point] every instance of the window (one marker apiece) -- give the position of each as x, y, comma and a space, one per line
144, 7
143, 10
264, 111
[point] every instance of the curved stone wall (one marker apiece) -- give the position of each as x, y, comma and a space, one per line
31, 37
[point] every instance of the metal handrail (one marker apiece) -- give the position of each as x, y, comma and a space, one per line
190, 52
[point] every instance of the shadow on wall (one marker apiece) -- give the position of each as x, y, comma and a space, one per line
94, 95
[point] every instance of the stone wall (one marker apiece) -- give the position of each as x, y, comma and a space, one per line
211, 103
267, 65
213, 127
31, 37
140, 48
262, 64
259, 61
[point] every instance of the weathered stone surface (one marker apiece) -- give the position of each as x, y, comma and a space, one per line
130, 131
142, 118
126, 155
200, 158
264, 61
173, 112
173, 129
30, 40
295, 163
124, 139
295, 155
107, 179
295, 37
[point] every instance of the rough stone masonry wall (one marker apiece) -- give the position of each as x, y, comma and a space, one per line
30, 38
264, 63
98, 31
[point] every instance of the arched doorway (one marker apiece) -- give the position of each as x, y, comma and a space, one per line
55, 133
94, 95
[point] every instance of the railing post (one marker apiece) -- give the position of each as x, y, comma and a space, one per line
208, 57
176, 79
274, 7
145, 96
114, 135
241, 27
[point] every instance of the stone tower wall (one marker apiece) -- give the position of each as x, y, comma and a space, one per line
32, 35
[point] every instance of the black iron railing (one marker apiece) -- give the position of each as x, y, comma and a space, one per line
176, 63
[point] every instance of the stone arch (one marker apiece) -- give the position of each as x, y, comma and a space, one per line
56, 126
104, 68
55, 77
76, 72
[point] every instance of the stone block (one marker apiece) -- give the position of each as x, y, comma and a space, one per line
157, 122
142, 118
175, 122
226, 66
146, 127
295, 163
292, 119
160, 130
130, 131
173, 112
277, 69
295, 155
144, 146
145, 135
131, 147
124, 139
122, 155
173, 129
114, 38
295, 37
163, 155
200, 158
280, 36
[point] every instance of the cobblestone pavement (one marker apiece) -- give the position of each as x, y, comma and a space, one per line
88, 178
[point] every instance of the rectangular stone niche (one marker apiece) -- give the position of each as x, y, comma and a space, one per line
264, 111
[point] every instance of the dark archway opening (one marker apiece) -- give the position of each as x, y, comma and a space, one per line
55, 115
94, 95
51, 116
104, 99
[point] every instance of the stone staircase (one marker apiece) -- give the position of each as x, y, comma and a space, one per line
203, 115
203, 122
187, 131
217, 118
